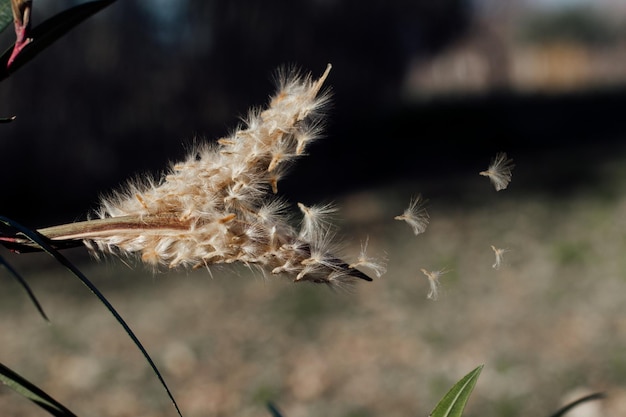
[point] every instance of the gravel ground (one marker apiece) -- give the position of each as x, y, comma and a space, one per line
549, 325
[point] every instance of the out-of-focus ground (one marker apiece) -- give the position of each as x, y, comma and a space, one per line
548, 325
422, 102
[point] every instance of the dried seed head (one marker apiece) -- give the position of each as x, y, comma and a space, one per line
217, 206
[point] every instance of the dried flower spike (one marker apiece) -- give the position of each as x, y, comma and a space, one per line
499, 256
218, 205
499, 171
416, 215
433, 280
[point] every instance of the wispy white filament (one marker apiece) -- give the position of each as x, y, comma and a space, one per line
433, 281
499, 252
416, 215
499, 171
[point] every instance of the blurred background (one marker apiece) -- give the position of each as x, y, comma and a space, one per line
424, 95
424, 84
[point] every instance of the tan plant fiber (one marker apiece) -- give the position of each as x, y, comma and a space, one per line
433, 281
416, 215
220, 206
499, 171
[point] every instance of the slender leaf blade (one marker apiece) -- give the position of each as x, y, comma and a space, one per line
13, 272
453, 403
42, 241
6, 14
273, 410
48, 32
566, 408
26, 389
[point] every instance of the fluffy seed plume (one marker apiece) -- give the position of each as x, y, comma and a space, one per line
433, 281
499, 171
316, 220
365, 261
416, 215
499, 252
219, 205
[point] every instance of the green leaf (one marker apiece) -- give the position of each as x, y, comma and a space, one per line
49, 31
25, 285
43, 242
6, 14
453, 403
23, 387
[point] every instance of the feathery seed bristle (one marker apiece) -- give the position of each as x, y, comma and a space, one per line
218, 205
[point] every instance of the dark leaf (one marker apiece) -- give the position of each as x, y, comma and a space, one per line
23, 387
6, 15
273, 410
45, 245
568, 407
25, 285
49, 31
